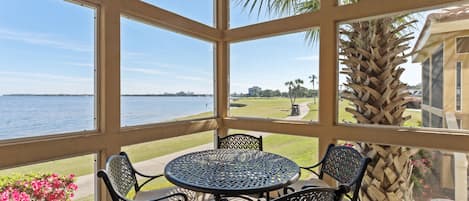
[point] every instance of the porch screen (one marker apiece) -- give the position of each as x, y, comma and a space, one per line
437, 79
458, 85
426, 82
425, 118
437, 121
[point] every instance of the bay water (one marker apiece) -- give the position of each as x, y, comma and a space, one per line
28, 116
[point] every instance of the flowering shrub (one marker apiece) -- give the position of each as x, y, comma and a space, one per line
41, 187
422, 169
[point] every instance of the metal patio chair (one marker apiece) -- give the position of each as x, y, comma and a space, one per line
240, 141
315, 194
344, 164
120, 178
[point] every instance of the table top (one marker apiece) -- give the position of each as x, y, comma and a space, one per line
232, 171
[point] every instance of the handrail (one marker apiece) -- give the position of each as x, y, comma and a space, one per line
451, 121
460, 163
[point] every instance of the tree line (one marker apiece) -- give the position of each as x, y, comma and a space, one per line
302, 92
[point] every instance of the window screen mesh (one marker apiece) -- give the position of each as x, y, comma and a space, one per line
437, 79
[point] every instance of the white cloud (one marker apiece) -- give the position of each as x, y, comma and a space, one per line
192, 69
192, 78
44, 76
127, 53
78, 64
42, 39
43, 83
144, 71
308, 58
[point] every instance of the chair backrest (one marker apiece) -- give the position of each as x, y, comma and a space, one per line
346, 165
119, 176
314, 194
240, 141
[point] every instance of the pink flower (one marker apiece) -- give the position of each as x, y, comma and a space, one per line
72, 186
24, 197
5, 195
49, 187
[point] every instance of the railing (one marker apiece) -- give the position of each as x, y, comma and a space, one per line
460, 164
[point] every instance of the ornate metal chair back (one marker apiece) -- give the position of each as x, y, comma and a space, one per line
346, 165
314, 194
240, 141
118, 176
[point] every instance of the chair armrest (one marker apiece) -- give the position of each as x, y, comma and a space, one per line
341, 188
184, 197
312, 166
309, 169
147, 176
151, 178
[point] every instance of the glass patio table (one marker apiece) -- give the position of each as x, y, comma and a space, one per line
232, 172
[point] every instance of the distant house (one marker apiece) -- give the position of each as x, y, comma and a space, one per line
443, 50
254, 91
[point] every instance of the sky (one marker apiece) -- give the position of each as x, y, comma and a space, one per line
47, 47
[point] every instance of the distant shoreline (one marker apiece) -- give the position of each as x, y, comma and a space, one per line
170, 95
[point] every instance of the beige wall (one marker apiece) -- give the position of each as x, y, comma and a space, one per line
450, 57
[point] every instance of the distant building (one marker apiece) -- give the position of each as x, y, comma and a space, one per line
254, 91
443, 50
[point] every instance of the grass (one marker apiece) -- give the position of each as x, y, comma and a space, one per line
313, 112
275, 108
83, 165
77, 165
87, 198
346, 117
302, 150
149, 150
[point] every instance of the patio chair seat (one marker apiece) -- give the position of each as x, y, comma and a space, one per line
120, 178
315, 194
152, 194
310, 182
345, 165
298, 186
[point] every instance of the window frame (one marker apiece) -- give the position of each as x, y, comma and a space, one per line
109, 137
456, 44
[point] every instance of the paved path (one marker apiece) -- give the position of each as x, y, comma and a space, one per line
156, 165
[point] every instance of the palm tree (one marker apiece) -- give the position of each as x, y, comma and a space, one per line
313, 79
372, 52
293, 90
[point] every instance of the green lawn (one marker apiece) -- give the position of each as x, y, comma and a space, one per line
275, 108
149, 150
85, 164
345, 117
302, 150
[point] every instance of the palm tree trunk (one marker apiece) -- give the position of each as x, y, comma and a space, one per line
388, 177
372, 52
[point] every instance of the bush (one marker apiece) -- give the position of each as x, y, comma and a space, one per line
38, 187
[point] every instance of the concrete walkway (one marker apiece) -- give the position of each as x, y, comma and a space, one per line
155, 166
